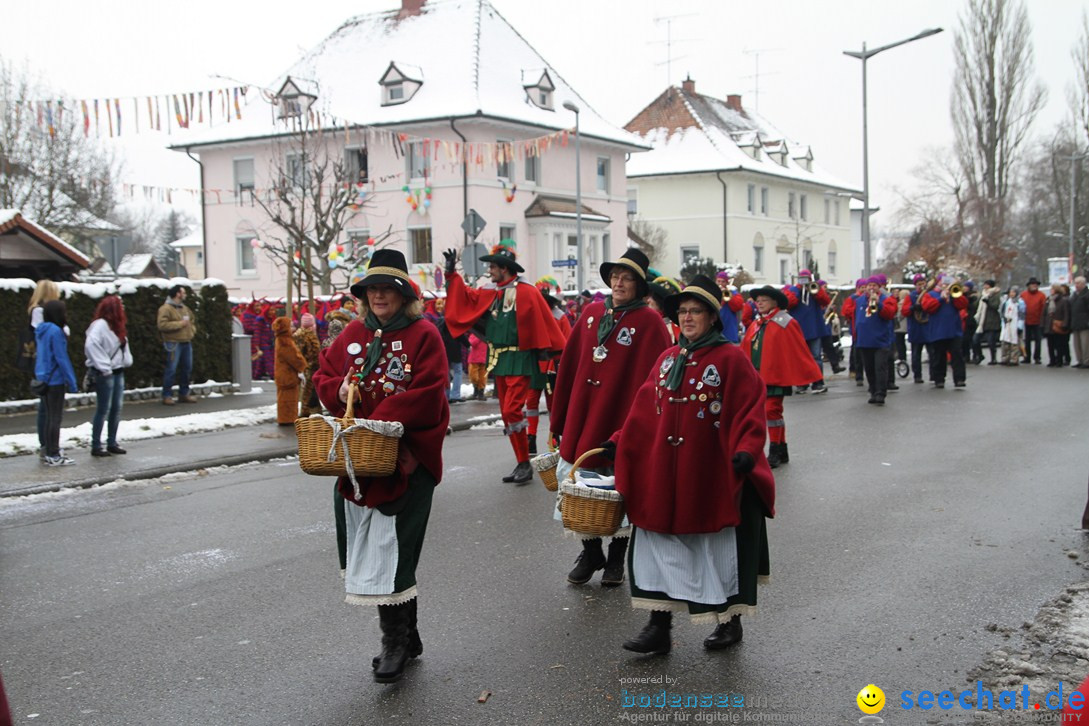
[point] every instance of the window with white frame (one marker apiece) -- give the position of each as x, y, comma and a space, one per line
355, 165
791, 200
298, 174
533, 169
559, 252
395, 92
837, 212
357, 241
751, 205
506, 231
633, 201
243, 180
603, 174
504, 164
827, 210
764, 201
784, 270
200, 257
803, 206
831, 262
689, 252
758, 253
418, 163
246, 261
420, 244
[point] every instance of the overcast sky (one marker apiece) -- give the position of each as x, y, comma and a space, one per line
612, 51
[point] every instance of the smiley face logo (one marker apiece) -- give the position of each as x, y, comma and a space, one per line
871, 699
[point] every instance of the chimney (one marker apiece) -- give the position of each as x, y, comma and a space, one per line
688, 85
733, 101
410, 8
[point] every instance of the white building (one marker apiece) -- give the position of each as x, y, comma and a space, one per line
726, 184
446, 100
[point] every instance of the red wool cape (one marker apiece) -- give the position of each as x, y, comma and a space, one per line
537, 329
690, 487
785, 359
417, 400
591, 400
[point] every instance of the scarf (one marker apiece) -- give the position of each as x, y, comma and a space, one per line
676, 374
374, 349
608, 320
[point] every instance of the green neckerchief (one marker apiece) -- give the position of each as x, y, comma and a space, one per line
608, 320
374, 349
676, 373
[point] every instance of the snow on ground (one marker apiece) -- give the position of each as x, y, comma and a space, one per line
145, 428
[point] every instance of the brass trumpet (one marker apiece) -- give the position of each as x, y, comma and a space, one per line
956, 290
871, 308
814, 288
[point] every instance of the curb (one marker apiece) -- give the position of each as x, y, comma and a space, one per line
156, 472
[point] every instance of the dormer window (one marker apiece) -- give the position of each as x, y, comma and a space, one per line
540, 90
805, 159
400, 83
295, 98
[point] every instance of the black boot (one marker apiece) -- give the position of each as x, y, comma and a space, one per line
589, 561
774, 458
521, 474
725, 635
391, 663
614, 565
784, 454
533, 444
415, 645
655, 638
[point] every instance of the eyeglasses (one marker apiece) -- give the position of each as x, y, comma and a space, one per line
621, 277
691, 311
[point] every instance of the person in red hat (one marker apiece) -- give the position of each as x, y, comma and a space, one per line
697, 488
520, 331
947, 331
611, 349
778, 350
398, 363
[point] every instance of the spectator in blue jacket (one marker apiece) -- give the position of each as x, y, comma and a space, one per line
54, 368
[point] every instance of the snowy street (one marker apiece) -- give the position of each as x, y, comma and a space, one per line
911, 545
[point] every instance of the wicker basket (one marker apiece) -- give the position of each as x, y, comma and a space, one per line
587, 510
545, 466
323, 440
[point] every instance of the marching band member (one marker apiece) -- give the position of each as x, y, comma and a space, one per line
520, 331
830, 333
883, 289
776, 346
848, 312
731, 306
609, 354
947, 332
807, 307
699, 531
873, 315
918, 327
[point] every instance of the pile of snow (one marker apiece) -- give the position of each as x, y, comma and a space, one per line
145, 428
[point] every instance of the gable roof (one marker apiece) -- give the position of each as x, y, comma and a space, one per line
139, 265
549, 206
470, 61
15, 229
694, 133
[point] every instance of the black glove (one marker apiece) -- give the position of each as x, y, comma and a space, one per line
743, 463
451, 257
610, 450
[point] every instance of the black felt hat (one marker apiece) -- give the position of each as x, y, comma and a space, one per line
775, 294
633, 259
504, 255
387, 267
702, 288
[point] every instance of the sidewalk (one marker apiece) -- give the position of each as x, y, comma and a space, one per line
152, 458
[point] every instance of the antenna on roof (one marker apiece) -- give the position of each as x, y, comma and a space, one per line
755, 52
669, 41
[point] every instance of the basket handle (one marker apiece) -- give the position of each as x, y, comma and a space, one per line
353, 390
584, 457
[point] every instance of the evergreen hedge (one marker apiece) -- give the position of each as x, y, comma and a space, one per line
142, 298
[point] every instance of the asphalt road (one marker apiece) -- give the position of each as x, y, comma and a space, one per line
904, 535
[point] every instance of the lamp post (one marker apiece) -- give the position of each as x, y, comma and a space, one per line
1074, 159
580, 274
864, 55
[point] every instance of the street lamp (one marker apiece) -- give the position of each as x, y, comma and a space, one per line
864, 55
1074, 159
580, 275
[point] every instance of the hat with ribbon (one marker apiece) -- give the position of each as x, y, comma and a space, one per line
633, 259
504, 255
702, 288
387, 267
774, 293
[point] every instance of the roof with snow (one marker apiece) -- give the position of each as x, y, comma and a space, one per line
468, 60
139, 265
694, 133
29, 250
193, 239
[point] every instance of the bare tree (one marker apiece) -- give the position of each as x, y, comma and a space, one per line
312, 195
1079, 92
995, 99
50, 170
650, 238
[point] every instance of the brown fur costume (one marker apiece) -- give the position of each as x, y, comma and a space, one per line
289, 363
310, 347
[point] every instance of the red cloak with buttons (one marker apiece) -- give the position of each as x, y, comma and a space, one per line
591, 400
673, 466
419, 403
785, 359
537, 329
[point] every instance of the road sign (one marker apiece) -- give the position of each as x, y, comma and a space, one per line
473, 224
565, 263
470, 259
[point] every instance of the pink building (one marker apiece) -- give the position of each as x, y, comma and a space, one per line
443, 96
